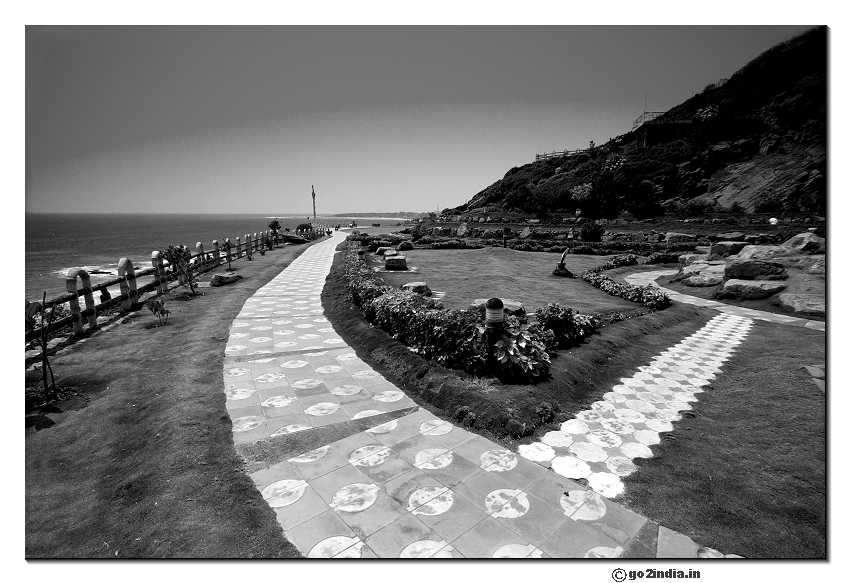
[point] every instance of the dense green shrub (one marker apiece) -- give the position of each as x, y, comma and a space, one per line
455, 244
405, 246
452, 338
568, 328
592, 232
648, 295
617, 261
663, 258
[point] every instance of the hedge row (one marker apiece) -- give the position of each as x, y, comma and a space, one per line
648, 295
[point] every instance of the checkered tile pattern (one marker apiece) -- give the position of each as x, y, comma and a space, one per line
600, 443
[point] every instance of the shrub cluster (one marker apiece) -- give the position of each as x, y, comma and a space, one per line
455, 244
647, 295
568, 328
618, 261
405, 246
452, 338
663, 258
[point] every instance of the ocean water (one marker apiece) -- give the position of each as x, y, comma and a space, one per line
56, 243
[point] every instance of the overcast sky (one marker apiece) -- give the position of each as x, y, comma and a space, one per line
233, 119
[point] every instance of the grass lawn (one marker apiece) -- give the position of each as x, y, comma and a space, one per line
747, 474
466, 275
141, 462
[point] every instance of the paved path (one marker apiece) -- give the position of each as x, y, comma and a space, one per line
649, 277
417, 486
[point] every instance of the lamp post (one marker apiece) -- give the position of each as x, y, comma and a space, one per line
494, 321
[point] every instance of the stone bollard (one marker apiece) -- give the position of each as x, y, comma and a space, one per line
238, 247
248, 246
216, 253
159, 275
74, 303
128, 283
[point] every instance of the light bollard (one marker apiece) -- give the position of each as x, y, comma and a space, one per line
494, 322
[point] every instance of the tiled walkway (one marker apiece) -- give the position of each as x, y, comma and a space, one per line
600, 443
417, 486
649, 277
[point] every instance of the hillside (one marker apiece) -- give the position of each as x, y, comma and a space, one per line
755, 142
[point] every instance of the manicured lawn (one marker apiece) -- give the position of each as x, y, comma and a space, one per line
747, 475
141, 463
466, 275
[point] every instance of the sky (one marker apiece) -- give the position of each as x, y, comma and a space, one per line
393, 118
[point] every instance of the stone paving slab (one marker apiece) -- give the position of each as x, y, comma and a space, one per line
416, 486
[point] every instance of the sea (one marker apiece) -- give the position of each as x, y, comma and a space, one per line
56, 243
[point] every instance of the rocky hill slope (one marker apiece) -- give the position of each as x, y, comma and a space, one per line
755, 142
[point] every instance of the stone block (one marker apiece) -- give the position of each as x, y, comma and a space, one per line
419, 287
396, 263
754, 269
743, 289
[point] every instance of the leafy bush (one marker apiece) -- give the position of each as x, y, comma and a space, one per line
455, 244
452, 338
648, 295
592, 232
568, 328
618, 261
405, 246
663, 258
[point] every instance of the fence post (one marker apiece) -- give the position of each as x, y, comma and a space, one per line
238, 248
128, 283
254, 241
71, 286
216, 253
228, 256
202, 258
248, 245
159, 275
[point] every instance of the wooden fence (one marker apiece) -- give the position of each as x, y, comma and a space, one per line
200, 262
547, 155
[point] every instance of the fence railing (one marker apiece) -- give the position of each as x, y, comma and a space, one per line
547, 155
200, 261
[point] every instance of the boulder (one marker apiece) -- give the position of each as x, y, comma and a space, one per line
390, 253
462, 230
808, 304
804, 243
735, 236
763, 252
679, 237
383, 250
754, 269
742, 289
562, 271
818, 266
526, 233
723, 249
703, 280
512, 307
219, 280
396, 263
419, 287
